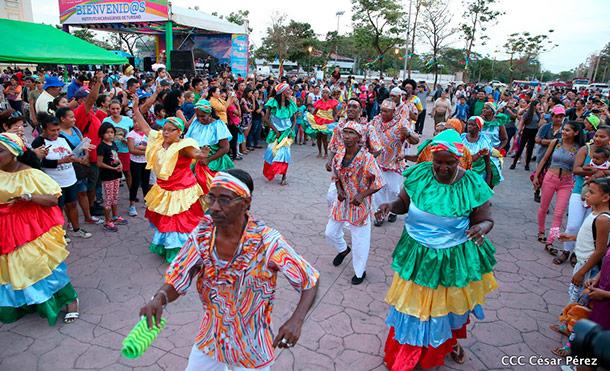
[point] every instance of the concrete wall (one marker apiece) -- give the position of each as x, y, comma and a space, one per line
18, 10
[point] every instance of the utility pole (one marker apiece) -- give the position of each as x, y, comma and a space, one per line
404, 73
338, 14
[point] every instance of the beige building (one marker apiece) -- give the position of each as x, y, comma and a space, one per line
19, 10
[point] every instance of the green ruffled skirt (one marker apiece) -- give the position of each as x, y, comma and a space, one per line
49, 309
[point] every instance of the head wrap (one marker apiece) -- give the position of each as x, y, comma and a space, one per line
456, 124
593, 120
228, 181
177, 122
13, 143
353, 125
448, 140
128, 70
325, 90
396, 91
477, 120
492, 106
204, 105
281, 87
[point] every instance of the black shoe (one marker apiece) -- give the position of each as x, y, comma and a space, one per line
527, 168
340, 256
356, 280
97, 211
536, 197
378, 223
513, 166
392, 218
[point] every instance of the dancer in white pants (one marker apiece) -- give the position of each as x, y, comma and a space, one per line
370, 141
394, 131
357, 176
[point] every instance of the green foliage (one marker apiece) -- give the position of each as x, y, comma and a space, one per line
240, 17
88, 36
378, 24
479, 15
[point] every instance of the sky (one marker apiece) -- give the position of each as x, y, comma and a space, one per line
580, 27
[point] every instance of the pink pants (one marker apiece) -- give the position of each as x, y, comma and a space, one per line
111, 192
552, 184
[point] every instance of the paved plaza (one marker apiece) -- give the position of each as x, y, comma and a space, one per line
115, 274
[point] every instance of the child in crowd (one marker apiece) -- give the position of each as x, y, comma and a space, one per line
299, 130
188, 107
591, 246
110, 175
599, 160
160, 114
461, 109
137, 141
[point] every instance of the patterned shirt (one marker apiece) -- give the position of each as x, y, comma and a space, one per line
237, 295
360, 175
390, 158
370, 140
403, 113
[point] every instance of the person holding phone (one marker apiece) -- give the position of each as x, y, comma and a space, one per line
58, 165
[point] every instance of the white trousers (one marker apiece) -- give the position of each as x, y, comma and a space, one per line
199, 361
577, 212
331, 195
391, 189
361, 242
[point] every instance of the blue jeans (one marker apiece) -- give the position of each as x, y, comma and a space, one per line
255, 132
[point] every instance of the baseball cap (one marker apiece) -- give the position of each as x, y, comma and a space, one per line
165, 83
143, 94
558, 110
81, 93
52, 81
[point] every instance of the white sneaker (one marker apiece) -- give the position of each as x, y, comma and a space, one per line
95, 220
68, 240
81, 233
133, 211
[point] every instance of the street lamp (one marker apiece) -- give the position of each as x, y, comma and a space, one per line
310, 49
396, 51
338, 14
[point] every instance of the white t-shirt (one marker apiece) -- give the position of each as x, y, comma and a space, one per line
63, 174
585, 245
42, 103
139, 139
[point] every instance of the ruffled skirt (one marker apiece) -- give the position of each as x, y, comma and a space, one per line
173, 215
433, 294
277, 155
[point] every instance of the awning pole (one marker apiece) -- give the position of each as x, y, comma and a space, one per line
169, 43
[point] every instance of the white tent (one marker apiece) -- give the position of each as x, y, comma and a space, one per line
204, 21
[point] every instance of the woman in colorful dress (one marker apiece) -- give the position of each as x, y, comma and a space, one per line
33, 272
209, 131
443, 262
280, 115
424, 152
173, 204
479, 145
323, 121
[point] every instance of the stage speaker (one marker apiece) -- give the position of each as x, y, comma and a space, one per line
132, 61
147, 64
182, 61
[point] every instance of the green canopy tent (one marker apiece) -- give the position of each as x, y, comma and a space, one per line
25, 42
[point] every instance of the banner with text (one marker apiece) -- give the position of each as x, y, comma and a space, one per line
112, 11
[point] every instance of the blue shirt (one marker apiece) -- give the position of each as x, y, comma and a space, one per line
188, 109
72, 88
122, 127
461, 111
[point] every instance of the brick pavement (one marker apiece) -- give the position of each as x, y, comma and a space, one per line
115, 274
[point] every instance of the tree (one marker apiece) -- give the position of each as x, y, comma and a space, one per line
418, 6
275, 44
524, 48
436, 29
378, 24
240, 17
300, 37
479, 15
89, 37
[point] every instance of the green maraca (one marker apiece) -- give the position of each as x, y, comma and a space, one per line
140, 338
